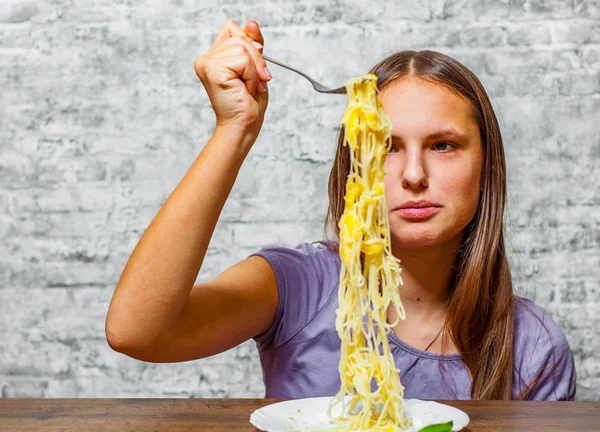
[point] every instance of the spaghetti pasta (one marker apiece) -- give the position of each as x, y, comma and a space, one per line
370, 275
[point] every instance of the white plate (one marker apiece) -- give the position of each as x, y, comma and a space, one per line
303, 415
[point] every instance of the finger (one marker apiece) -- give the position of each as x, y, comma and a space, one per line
261, 87
253, 30
235, 54
244, 68
252, 50
229, 29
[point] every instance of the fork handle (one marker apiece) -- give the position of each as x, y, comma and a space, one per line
317, 86
269, 59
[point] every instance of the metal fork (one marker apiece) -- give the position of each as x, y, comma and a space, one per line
317, 86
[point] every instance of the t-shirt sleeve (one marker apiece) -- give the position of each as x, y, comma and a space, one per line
306, 279
545, 361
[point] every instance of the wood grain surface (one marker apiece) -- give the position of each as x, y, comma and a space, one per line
218, 415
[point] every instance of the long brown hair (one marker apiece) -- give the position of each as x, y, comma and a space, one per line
480, 315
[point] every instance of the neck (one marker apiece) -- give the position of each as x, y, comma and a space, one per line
427, 276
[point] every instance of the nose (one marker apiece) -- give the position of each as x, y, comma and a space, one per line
414, 174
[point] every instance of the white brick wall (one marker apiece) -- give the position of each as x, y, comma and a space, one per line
101, 115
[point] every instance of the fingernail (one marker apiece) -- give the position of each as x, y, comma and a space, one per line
260, 88
257, 45
267, 73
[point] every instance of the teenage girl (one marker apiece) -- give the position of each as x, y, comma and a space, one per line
466, 335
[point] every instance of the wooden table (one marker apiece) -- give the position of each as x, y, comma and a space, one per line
83, 415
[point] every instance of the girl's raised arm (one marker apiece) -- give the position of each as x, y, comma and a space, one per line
156, 313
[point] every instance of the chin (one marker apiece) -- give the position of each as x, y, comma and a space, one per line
415, 241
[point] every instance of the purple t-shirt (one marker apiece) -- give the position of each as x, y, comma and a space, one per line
300, 352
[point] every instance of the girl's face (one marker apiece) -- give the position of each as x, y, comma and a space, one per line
434, 169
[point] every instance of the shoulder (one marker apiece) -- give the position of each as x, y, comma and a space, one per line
536, 331
306, 256
304, 266
307, 277
542, 357
534, 324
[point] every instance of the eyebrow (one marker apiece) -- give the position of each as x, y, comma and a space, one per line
449, 133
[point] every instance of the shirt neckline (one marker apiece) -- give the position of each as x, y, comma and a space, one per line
392, 337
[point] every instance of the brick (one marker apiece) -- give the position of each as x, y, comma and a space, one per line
578, 84
14, 37
566, 60
414, 35
587, 8
532, 84
15, 169
14, 387
13, 12
52, 275
511, 62
494, 85
526, 34
482, 36
586, 389
463, 9
591, 57
251, 235
541, 8
576, 32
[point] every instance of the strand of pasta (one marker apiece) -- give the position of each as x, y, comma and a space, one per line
369, 275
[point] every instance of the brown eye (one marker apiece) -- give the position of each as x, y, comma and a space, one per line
443, 146
393, 149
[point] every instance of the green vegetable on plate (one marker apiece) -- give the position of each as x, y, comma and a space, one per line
440, 427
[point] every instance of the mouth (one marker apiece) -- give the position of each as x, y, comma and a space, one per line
417, 209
